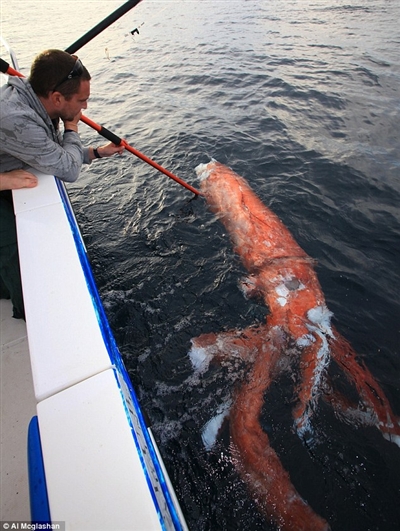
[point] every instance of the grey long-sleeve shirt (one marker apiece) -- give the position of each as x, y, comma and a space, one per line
28, 137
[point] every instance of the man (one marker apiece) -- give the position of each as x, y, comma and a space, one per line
31, 111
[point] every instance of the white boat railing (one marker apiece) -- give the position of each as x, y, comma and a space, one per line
102, 469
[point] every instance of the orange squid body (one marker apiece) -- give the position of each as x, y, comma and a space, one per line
283, 275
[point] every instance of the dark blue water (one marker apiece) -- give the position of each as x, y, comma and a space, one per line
302, 98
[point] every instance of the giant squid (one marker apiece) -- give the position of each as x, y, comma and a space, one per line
282, 274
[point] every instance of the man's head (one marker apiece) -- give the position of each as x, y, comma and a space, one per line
55, 70
61, 82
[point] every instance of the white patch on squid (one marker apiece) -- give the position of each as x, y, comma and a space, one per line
320, 325
323, 356
305, 341
210, 431
283, 289
283, 294
247, 286
203, 171
321, 316
200, 358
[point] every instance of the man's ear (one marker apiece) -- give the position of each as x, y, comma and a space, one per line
56, 99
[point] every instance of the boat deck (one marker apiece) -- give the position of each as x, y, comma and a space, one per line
18, 406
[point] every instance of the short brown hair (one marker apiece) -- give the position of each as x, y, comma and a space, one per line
49, 68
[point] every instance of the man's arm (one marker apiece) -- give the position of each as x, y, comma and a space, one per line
27, 139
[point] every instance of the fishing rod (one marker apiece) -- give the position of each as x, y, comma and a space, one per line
107, 134
102, 26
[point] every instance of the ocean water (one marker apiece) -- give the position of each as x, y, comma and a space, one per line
302, 98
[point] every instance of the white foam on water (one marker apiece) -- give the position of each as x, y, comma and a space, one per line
211, 429
168, 431
356, 417
392, 438
184, 321
202, 171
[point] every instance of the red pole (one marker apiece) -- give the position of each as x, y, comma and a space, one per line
118, 141
160, 168
7, 69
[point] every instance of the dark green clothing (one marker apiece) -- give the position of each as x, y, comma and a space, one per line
10, 277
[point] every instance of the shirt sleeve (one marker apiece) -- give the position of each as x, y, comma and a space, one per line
26, 137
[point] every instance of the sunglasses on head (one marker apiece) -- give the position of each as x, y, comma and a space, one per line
76, 71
